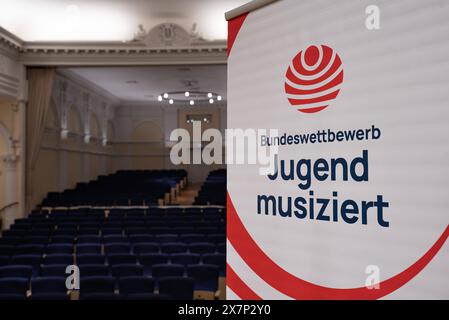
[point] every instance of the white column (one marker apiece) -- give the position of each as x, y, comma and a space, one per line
12, 212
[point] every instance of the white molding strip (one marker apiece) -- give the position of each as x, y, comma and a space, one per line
115, 53
248, 7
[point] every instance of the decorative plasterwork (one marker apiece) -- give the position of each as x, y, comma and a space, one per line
181, 48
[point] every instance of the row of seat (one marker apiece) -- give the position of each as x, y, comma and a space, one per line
129, 211
133, 239
156, 270
102, 287
122, 188
213, 191
113, 248
145, 259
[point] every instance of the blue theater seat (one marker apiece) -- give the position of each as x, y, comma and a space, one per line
140, 238
115, 259
54, 270
167, 270
16, 271
29, 249
117, 248
4, 260
143, 248
48, 285
205, 276
135, 285
97, 285
127, 270
59, 248
66, 259
166, 238
6, 250
62, 239
173, 247
202, 247
185, 258
14, 286
93, 270
91, 239
191, 237
177, 288
85, 248
216, 259
221, 247
90, 258
114, 239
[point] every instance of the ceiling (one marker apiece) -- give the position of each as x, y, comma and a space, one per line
110, 20
144, 84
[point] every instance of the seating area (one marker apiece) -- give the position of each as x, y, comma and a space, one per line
123, 188
213, 191
152, 253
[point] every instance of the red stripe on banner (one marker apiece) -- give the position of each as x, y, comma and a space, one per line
297, 288
328, 74
327, 55
234, 26
335, 82
239, 287
312, 110
326, 97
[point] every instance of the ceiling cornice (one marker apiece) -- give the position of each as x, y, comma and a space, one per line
111, 53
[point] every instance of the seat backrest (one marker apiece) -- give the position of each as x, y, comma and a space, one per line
127, 270
53, 270
16, 271
93, 270
167, 270
85, 248
115, 259
90, 258
136, 284
17, 286
178, 288
185, 258
48, 285
58, 259
102, 284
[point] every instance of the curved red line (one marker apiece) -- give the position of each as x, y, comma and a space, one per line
297, 288
336, 81
313, 110
239, 287
326, 97
337, 63
327, 55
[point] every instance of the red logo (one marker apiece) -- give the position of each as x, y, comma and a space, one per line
313, 79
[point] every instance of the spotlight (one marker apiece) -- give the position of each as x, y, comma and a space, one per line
170, 101
192, 102
159, 98
165, 95
209, 95
187, 93
211, 101
219, 98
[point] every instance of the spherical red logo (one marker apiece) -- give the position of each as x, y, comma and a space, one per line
313, 79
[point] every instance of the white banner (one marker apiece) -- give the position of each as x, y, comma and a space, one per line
358, 207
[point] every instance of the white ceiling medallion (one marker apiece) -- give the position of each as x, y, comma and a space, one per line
168, 35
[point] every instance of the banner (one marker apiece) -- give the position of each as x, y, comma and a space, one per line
357, 205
